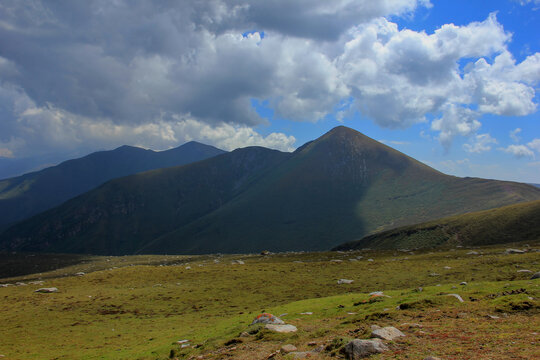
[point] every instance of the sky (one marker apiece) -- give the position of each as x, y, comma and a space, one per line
452, 83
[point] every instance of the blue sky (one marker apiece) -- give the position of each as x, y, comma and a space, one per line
452, 83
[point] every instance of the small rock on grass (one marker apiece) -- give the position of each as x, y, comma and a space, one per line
359, 349
47, 290
344, 281
432, 358
281, 328
536, 276
288, 348
386, 333
525, 271
514, 251
266, 318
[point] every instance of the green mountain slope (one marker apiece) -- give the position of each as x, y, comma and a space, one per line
30, 194
507, 224
122, 215
341, 186
337, 188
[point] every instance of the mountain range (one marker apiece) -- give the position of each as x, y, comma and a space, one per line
337, 188
32, 193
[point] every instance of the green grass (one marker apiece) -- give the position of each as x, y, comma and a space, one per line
504, 225
132, 308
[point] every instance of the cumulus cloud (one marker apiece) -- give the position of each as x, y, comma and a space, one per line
535, 145
519, 151
102, 69
480, 143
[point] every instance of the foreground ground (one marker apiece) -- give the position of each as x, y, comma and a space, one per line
137, 307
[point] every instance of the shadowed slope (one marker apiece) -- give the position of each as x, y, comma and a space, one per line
30, 194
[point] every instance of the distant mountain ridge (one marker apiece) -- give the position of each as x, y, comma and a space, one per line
337, 188
32, 193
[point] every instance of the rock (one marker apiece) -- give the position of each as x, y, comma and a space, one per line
447, 267
359, 349
266, 318
456, 296
188, 267
463, 283
38, 282
237, 262
244, 334
19, 283
525, 271
493, 317
288, 348
336, 260
265, 252
80, 274
182, 341
434, 274
281, 328
386, 333
344, 281
536, 276
47, 290
370, 260
472, 253
432, 358
514, 251
306, 313
353, 259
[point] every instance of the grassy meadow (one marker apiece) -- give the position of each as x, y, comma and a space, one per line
137, 307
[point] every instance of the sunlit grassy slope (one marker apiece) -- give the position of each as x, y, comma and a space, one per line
514, 223
135, 307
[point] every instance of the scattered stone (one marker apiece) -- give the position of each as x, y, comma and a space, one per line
370, 260
237, 262
432, 358
434, 274
47, 290
358, 349
359, 257
265, 252
353, 259
386, 333
244, 334
266, 318
514, 251
463, 283
344, 281
472, 253
188, 267
298, 262
536, 276
281, 328
216, 261
312, 343
288, 348
306, 313
182, 341
82, 274
336, 260
4, 285
493, 317
447, 267
525, 271
19, 283
456, 296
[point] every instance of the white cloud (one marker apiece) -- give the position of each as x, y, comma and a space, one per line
519, 151
188, 60
514, 134
481, 143
535, 145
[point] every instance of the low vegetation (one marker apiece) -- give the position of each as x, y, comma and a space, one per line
138, 307
504, 225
